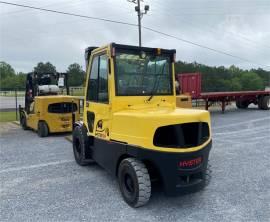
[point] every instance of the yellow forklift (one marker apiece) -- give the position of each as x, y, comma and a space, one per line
46, 110
132, 127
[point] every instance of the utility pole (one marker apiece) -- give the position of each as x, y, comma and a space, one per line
139, 21
140, 15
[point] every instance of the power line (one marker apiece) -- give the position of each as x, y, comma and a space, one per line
70, 14
135, 25
217, 5
25, 10
209, 30
203, 46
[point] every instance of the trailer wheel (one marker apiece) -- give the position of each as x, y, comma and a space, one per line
43, 129
23, 122
81, 148
265, 103
260, 102
241, 104
134, 182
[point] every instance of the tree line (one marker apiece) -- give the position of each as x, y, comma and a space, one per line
214, 79
10, 80
220, 79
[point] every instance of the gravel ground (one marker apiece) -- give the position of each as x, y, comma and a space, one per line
41, 182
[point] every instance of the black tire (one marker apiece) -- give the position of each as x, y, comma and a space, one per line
241, 104
260, 102
81, 148
265, 103
134, 182
23, 122
43, 129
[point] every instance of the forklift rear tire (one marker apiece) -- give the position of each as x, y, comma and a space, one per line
23, 122
43, 129
134, 182
81, 147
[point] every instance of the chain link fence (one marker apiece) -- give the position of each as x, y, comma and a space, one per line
10, 99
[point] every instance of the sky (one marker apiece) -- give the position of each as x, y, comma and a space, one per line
237, 27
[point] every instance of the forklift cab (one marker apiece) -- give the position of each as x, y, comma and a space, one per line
46, 109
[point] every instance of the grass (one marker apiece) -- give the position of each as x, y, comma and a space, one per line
77, 92
7, 116
12, 93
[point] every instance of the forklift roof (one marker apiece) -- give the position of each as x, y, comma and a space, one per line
89, 50
146, 49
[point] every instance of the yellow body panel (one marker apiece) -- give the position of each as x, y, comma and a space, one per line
138, 126
133, 120
57, 122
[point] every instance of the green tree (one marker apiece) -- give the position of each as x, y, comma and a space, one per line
7, 75
6, 70
20, 80
44, 67
76, 75
215, 79
235, 84
265, 75
251, 81
13, 82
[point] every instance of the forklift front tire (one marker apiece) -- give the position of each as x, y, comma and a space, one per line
23, 122
134, 182
43, 129
81, 147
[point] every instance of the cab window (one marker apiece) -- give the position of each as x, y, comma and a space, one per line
32, 108
65, 107
98, 83
93, 81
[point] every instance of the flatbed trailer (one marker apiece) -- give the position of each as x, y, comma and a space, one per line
190, 83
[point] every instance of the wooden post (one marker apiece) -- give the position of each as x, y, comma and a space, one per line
16, 104
223, 105
206, 104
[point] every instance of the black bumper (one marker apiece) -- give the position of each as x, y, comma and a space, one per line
177, 178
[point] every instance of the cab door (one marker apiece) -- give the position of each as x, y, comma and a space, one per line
97, 104
33, 116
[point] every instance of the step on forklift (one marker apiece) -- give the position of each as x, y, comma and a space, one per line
132, 127
47, 109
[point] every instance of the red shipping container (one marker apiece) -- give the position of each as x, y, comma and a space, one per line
190, 83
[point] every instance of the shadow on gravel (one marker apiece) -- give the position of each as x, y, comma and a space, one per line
53, 135
158, 197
